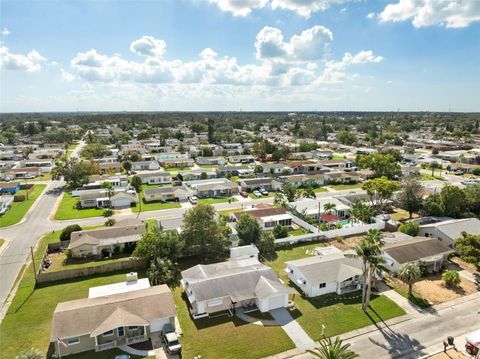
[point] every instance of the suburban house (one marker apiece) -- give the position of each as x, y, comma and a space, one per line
45, 166
268, 217
340, 177
314, 207
306, 167
110, 167
300, 156
448, 231
5, 203
268, 183
111, 320
123, 200
145, 166
429, 251
241, 159
241, 282
338, 165
240, 171
194, 175
328, 271
180, 163
9, 188
316, 180
91, 242
22, 173
168, 156
275, 168
219, 187
165, 194
210, 161
99, 199
160, 177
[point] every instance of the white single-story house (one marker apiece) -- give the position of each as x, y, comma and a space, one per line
211, 161
329, 271
160, 177
449, 231
243, 282
267, 218
167, 193
313, 207
145, 166
5, 203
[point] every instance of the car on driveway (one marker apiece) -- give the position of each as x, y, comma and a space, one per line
459, 172
263, 191
257, 193
170, 339
244, 194
192, 199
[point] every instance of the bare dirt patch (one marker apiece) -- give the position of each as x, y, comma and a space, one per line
346, 243
457, 261
433, 289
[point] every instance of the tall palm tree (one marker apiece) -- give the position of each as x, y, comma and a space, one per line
409, 274
333, 350
364, 251
329, 207
309, 192
376, 268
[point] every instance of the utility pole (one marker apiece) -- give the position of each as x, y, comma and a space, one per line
34, 268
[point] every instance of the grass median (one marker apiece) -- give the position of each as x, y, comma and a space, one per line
18, 209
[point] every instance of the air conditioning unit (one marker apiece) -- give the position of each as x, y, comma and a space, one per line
132, 277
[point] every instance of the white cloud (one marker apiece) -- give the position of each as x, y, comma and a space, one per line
335, 72
371, 15
5, 32
448, 13
30, 62
310, 45
240, 7
148, 46
66, 76
302, 7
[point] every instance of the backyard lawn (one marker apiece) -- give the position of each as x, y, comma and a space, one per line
224, 337
216, 200
340, 187
19, 209
68, 209
297, 232
30, 314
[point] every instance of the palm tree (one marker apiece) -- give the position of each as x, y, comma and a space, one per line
333, 350
364, 251
376, 268
280, 200
329, 207
109, 187
309, 192
362, 211
409, 274
160, 271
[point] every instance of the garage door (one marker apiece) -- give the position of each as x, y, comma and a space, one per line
276, 302
156, 325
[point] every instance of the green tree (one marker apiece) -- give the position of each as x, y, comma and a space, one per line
454, 201
411, 228
267, 243
409, 273
158, 244
203, 234
468, 247
433, 166
280, 231
161, 271
127, 166
473, 198
136, 182
309, 192
329, 207
290, 191
75, 173
451, 278
362, 211
248, 229
382, 165
203, 176
346, 138
380, 190
67, 231
410, 197
333, 350
433, 205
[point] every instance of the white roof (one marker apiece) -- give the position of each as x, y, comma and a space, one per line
116, 288
277, 217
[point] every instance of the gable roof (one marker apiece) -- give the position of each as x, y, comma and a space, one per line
411, 250
454, 227
92, 316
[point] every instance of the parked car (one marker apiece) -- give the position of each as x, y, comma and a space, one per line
458, 172
170, 339
192, 199
244, 194
122, 356
257, 193
263, 191
472, 347
470, 182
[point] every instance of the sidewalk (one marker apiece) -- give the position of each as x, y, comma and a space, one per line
301, 339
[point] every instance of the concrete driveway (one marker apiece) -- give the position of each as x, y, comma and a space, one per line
301, 339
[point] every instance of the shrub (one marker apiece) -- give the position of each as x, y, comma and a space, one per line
31, 353
451, 278
280, 232
116, 250
110, 222
410, 228
68, 253
105, 253
339, 239
108, 213
67, 231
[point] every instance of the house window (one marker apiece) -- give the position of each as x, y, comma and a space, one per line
322, 285
73, 341
108, 334
121, 331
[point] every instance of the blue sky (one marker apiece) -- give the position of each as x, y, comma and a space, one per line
285, 55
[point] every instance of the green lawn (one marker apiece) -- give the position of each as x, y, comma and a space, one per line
106, 354
70, 149
176, 169
216, 200
341, 314
428, 177
209, 166
339, 187
155, 206
298, 232
68, 209
30, 314
270, 195
43, 177
338, 156
224, 337
19, 209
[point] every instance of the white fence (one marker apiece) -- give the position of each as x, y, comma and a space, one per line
350, 231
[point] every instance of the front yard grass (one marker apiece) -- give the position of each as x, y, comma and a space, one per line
341, 314
224, 337
28, 320
154, 206
298, 232
68, 209
269, 195
216, 200
340, 187
427, 177
19, 209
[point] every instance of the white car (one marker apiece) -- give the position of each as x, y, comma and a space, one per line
470, 182
257, 193
193, 199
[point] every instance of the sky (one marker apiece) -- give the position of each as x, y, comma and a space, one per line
239, 55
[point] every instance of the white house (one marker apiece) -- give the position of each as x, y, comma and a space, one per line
449, 231
237, 283
145, 166
5, 203
160, 177
329, 271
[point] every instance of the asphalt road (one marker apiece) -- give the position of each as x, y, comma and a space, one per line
423, 334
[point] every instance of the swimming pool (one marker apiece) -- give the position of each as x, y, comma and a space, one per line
349, 223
